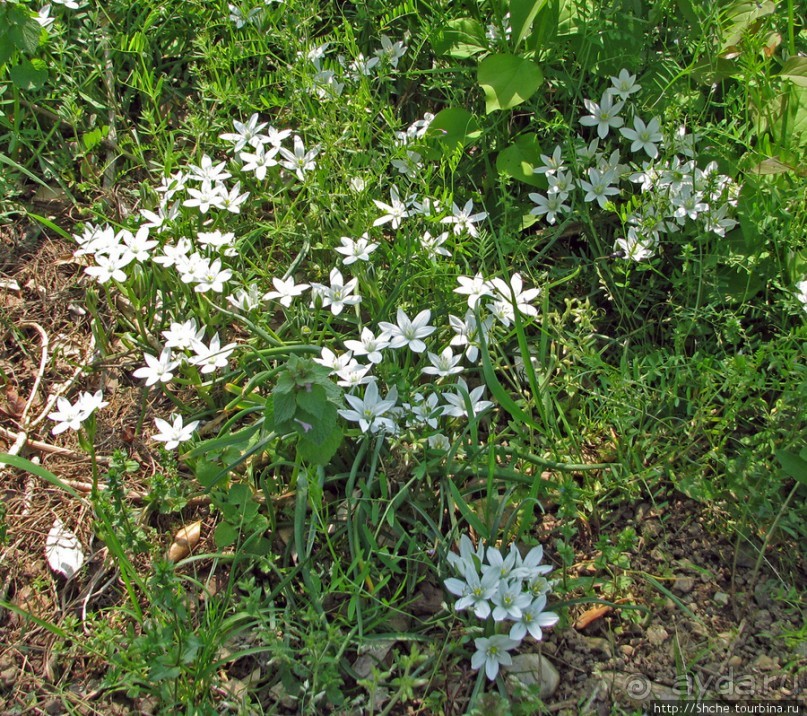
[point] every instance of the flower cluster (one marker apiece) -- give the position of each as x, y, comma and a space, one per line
505, 588
677, 190
70, 416
330, 78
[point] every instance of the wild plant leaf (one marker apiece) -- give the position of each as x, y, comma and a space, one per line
507, 80
29, 74
522, 15
460, 39
320, 453
453, 129
795, 70
285, 405
520, 159
793, 465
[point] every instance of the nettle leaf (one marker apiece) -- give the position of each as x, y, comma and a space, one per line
25, 35
461, 38
313, 400
316, 427
795, 70
522, 15
508, 80
285, 405
320, 454
29, 74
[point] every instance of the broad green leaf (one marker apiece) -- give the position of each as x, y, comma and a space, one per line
545, 26
93, 138
285, 407
225, 535
313, 400
520, 159
739, 17
453, 128
522, 15
320, 454
507, 80
793, 465
316, 426
29, 74
795, 70
461, 38
790, 126
25, 35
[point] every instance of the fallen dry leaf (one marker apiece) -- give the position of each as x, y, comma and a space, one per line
184, 541
591, 615
15, 402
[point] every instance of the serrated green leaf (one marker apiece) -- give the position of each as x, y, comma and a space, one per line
507, 80
225, 535
285, 405
7, 49
285, 383
316, 427
29, 74
460, 39
320, 454
25, 35
312, 400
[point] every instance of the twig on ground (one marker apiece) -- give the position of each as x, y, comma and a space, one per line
40, 446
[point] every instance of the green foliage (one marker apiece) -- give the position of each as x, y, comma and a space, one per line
507, 81
305, 402
620, 381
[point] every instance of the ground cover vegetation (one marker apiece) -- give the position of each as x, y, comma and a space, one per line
373, 357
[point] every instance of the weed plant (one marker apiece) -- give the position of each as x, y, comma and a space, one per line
394, 273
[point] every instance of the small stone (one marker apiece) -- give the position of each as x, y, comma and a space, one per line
8, 676
626, 649
764, 663
735, 661
721, 598
762, 594
533, 670
596, 643
763, 619
657, 634
683, 585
